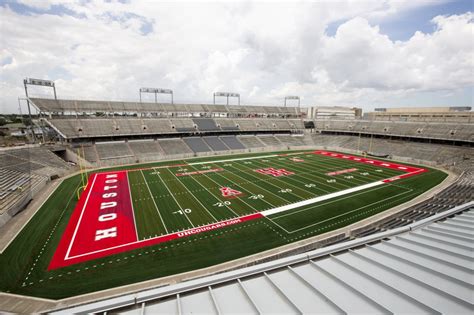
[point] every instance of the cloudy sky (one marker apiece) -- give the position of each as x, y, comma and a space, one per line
355, 53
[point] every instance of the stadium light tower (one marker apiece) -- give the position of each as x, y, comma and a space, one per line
227, 95
30, 81
38, 82
293, 98
156, 92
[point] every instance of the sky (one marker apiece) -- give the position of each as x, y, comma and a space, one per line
380, 53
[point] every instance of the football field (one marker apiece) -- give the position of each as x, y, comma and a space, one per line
142, 222
294, 193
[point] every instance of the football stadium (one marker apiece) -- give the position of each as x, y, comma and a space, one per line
166, 193
285, 158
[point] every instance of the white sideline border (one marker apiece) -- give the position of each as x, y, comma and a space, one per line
237, 159
249, 158
320, 198
80, 219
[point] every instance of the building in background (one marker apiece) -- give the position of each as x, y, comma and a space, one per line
462, 114
333, 112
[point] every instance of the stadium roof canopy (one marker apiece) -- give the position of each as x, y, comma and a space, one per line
425, 267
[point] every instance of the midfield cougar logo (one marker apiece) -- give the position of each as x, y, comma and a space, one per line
229, 192
274, 172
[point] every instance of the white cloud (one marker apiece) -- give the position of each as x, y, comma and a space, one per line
264, 51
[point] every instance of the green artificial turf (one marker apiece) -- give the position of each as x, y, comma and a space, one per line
165, 203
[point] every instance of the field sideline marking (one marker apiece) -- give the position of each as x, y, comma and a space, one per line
213, 195
315, 180
320, 198
80, 218
329, 165
237, 159
285, 182
247, 181
343, 214
186, 187
177, 203
243, 188
133, 209
190, 233
154, 202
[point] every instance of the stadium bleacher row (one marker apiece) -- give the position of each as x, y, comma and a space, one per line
460, 192
156, 149
24, 172
101, 127
146, 150
15, 186
445, 155
81, 106
435, 130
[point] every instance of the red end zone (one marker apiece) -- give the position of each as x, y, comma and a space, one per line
410, 170
103, 218
103, 223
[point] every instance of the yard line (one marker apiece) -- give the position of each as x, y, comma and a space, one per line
133, 210
324, 167
316, 173
251, 207
330, 196
260, 187
205, 208
343, 214
291, 177
339, 179
319, 179
369, 168
181, 208
153, 199
275, 179
212, 194
361, 166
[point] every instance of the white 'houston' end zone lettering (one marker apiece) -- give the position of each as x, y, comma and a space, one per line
107, 217
104, 217
110, 204
100, 234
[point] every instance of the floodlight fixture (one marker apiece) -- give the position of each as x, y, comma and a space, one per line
156, 91
227, 95
37, 82
292, 98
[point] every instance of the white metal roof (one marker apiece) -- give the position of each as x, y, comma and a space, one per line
427, 267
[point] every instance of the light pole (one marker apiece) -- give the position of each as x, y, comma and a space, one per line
156, 91
38, 82
226, 95
293, 98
